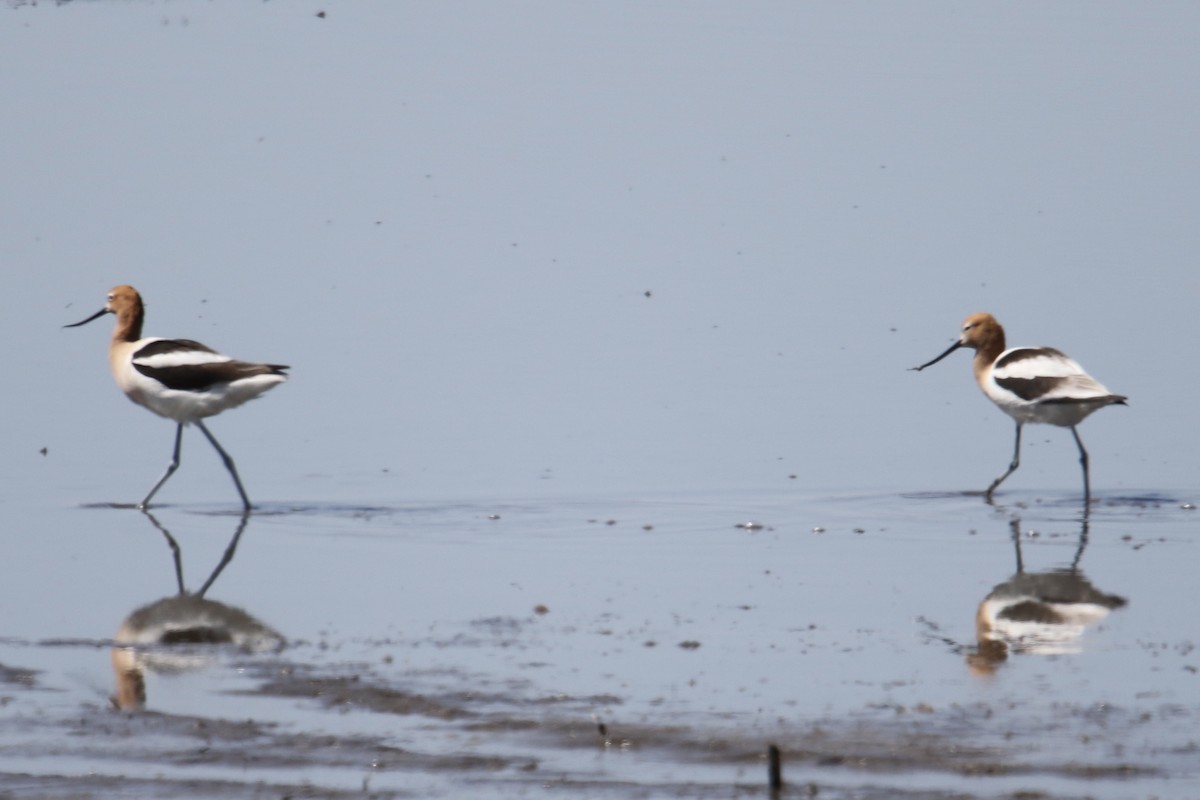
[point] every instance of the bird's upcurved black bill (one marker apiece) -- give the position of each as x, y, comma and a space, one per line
97, 315
952, 348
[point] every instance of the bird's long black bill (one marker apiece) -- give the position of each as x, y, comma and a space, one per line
97, 315
952, 348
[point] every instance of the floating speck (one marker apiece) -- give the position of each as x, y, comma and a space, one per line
1185, 506
541, 609
750, 526
690, 644
493, 516
818, 529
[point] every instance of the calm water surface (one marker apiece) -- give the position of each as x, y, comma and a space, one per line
848, 617
600, 468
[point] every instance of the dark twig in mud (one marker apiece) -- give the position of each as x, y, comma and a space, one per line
774, 769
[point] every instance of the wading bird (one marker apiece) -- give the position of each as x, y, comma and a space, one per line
179, 379
1031, 384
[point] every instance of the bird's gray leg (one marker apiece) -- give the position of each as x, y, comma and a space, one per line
1083, 460
1016, 462
228, 464
174, 465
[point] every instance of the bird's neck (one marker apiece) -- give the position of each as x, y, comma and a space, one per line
129, 324
988, 351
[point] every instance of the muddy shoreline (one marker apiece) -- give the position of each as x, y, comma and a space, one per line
507, 738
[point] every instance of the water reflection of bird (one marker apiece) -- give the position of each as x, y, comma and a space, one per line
177, 634
1031, 384
1041, 613
179, 379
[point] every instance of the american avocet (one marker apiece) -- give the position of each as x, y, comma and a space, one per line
183, 632
1031, 384
177, 378
1038, 612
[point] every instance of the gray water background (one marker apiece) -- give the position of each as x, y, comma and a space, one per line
660, 263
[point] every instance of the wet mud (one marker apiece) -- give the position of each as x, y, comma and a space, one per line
509, 743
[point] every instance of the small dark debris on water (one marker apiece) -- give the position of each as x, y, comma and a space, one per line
45, 451
818, 529
750, 525
690, 644
647, 293
541, 609
610, 522
321, 14
1185, 506
493, 516
647, 527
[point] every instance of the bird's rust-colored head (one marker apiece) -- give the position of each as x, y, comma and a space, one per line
982, 333
126, 303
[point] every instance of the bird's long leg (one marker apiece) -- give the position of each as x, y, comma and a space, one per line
1016, 462
229, 551
176, 553
1083, 461
174, 465
1083, 540
228, 464
1014, 524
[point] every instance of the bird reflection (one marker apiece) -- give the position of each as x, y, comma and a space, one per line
176, 634
1041, 613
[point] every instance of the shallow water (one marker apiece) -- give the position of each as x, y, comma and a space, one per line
841, 630
600, 468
